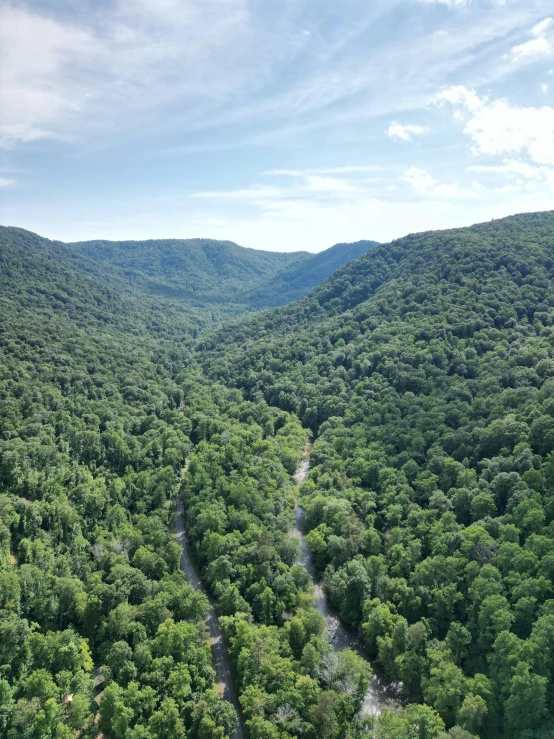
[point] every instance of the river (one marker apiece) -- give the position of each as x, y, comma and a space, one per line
381, 691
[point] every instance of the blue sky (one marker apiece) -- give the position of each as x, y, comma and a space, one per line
278, 124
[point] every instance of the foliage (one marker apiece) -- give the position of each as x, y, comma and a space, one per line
426, 370
207, 272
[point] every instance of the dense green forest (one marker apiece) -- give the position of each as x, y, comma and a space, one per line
101, 406
209, 272
424, 373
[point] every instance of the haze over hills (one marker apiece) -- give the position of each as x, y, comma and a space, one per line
424, 371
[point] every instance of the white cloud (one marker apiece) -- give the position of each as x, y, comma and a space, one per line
125, 62
176, 66
423, 184
419, 179
404, 132
347, 169
460, 95
535, 47
513, 168
541, 28
5, 182
34, 54
498, 128
538, 46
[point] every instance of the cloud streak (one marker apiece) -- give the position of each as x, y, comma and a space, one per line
175, 66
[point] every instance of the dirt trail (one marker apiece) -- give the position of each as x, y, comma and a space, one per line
221, 658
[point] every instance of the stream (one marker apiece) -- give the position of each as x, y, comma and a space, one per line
381, 691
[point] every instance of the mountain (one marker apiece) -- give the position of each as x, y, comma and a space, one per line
203, 270
425, 370
297, 279
106, 420
219, 272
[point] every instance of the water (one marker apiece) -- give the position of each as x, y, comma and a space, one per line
381, 692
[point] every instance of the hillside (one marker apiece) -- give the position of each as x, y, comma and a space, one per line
49, 279
205, 271
297, 279
105, 421
426, 371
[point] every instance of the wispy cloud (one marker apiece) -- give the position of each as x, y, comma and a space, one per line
542, 27
536, 47
450, 3
177, 105
137, 65
348, 169
513, 168
6, 182
422, 183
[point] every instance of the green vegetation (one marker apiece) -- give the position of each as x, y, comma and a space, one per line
202, 270
208, 272
92, 439
100, 408
295, 281
425, 372
240, 502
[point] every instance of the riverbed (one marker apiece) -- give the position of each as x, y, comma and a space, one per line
381, 692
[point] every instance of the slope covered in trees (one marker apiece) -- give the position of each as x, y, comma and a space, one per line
219, 272
296, 280
92, 440
101, 406
202, 270
426, 371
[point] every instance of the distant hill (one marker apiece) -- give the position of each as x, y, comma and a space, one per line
209, 271
203, 270
298, 278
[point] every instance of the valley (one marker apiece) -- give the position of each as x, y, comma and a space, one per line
365, 541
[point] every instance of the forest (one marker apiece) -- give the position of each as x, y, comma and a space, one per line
423, 373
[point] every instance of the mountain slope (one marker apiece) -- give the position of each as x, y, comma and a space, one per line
207, 271
203, 270
105, 421
426, 370
297, 279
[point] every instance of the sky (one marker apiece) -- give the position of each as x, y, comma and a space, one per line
278, 124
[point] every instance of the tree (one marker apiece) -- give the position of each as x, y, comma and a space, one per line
526, 704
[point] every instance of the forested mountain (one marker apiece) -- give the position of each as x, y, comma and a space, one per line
203, 270
206, 271
424, 372
101, 405
295, 280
